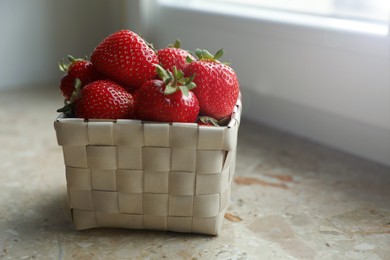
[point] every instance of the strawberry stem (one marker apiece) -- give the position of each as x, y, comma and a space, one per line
218, 54
175, 45
65, 67
175, 81
207, 119
71, 59
164, 75
188, 59
77, 89
69, 107
206, 55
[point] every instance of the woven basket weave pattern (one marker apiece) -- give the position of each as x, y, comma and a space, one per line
140, 175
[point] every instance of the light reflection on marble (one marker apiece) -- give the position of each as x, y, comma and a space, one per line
292, 199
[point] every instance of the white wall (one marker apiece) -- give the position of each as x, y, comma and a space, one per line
327, 85
37, 34
330, 86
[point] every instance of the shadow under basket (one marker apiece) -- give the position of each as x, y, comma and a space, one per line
148, 175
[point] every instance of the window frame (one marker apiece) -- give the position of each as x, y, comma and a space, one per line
349, 111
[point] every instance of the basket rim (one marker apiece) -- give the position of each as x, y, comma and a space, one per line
234, 118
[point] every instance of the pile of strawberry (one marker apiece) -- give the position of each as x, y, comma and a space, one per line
127, 79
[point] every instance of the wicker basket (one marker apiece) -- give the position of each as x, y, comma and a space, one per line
144, 175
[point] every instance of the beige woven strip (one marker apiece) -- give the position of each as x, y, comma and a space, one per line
156, 182
229, 156
75, 156
156, 135
206, 205
83, 219
232, 166
209, 161
129, 157
207, 184
224, 181
129, 181
236, 115
100, 133
129, 133
130, 203
68, 202
105, 201
80, 199
155, 222
71, 132
181, 183
78, 178
220, 219
156, 159
136, 222
102, 157
181, 205
155, 204
210, 225
180, 224
230, 140
210, 138
104, 180
224, 199
184, 135
116, 220
183, 160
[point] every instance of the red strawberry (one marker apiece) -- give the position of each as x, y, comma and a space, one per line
104, 99
174, 56
125, 58
217, 85
77, 68
168, 99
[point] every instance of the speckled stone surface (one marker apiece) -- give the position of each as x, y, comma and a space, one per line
291, 199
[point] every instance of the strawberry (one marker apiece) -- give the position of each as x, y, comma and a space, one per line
103, 99
168, 99
217, 85
126, 58
172, 56
77, 68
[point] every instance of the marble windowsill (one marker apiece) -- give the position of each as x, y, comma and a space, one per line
291, 199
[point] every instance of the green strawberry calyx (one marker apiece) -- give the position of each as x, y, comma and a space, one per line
175, 45
206, 55
207, 120
69, 107
175, 81
65, 67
